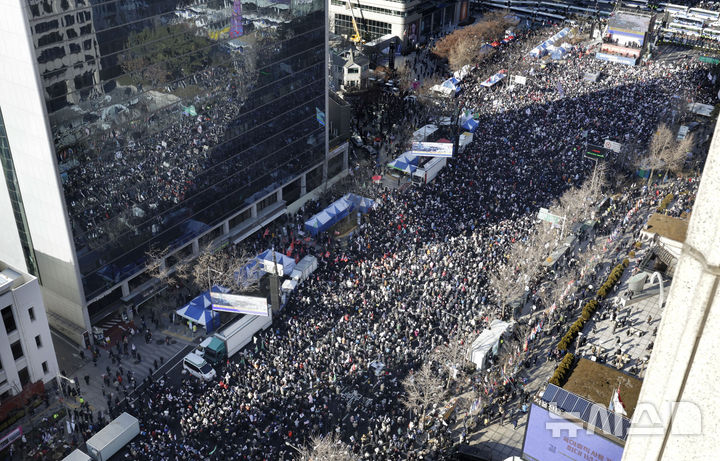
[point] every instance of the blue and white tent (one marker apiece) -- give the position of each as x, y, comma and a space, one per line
470, 125
287, 263
199, 310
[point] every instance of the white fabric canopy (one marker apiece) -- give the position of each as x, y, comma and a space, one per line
486, 341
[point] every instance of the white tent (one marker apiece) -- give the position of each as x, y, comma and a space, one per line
486, 342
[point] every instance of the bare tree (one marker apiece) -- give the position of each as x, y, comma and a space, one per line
423, 390
507, 285
224, 267
452, 353
661, 143
327, 448
675, 157
552, 291
574, 203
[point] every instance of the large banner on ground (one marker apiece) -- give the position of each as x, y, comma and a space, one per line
494, 79
432, 149
239, 304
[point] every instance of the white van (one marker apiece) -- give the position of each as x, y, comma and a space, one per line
198, 367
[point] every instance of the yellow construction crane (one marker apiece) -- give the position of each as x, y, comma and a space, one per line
356, 37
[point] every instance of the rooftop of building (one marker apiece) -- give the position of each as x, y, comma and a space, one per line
597, 382
11, 278
667, 226
629, 22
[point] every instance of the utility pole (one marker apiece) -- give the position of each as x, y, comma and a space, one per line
275, 285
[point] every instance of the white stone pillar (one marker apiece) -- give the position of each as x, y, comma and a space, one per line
684, 364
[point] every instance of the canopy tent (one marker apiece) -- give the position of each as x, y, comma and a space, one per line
339, 209
363, 204
345, 205
444, 90
406, 162
464, 70
453, 84
470, 125
542, 49
486, 342
285, 263
401, 165
319, 223
199, 310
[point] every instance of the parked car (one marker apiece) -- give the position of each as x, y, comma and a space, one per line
198, 367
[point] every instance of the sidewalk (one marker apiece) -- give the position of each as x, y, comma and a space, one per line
152, 356
506, 440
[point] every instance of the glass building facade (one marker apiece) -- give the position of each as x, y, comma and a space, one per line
170, 116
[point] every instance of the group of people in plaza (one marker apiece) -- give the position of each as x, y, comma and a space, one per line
415, 273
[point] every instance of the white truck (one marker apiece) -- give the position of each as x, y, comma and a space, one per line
304, 268
428, 172
77, 455
229, 340
113, 437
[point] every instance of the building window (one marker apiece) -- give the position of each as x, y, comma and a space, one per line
8, 167
45, 368
38, 341
369, 28
31, 313
24, 377
17, 351
353, 70
8, 319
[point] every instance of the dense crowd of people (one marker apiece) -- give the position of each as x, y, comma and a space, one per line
414, 272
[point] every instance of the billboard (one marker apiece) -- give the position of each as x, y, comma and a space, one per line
238, 304
432, 149
550, 437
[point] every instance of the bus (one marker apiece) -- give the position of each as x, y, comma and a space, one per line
711, 33
674, 9
687, 21
583, 11
704, 14
550, 15
683, 29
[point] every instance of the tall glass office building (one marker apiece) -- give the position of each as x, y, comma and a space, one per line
162, 124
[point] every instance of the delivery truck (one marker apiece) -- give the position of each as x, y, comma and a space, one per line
77, 455
428, 171
229, 340
118, 433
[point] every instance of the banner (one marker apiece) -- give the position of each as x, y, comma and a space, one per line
612, 145
432, 149
10, 437
238, 304
493, 80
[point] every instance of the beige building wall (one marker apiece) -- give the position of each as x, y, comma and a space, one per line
684, 365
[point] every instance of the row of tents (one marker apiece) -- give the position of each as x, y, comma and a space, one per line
552, 46
336, 212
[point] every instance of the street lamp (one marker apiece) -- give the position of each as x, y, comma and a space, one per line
59, 377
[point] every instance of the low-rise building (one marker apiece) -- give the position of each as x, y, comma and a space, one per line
27, 354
